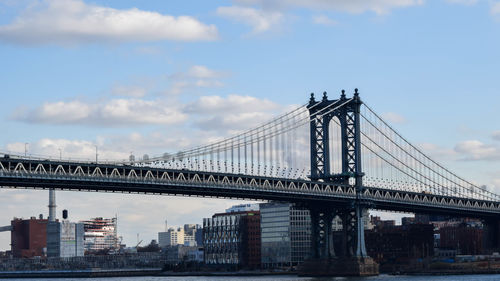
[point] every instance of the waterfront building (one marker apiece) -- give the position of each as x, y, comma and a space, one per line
233, 239
192, 235
189, 240
198, 236
28, 237
407, 220
286, 235
65, 239
195, 254
189, 235
243, 208
171, 237
252, 240
101, 234
379, 223
466, 238
388, 244
180, 253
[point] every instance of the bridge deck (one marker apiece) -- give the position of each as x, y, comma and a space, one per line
44, 174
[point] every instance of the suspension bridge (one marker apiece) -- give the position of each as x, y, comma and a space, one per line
333, 157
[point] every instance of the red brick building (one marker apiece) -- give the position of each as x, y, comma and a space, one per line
400, 243
467, 239
28, 237
251, 228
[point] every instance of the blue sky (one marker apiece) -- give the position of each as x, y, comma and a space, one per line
145, 76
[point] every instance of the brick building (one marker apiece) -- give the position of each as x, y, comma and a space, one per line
252, 239
467, 239
28, 237
400, 243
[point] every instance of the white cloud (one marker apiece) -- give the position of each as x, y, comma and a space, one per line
201, 71
495, 8
208, 83
197, 76
393, 117
225, 115
234, 112
66, 149
470, 150
476, 150
496, 135
438, 152
263, 15
350, 6
324, 20
233, 103
112, 147
115, 112
73, 22
496, 184
259, 20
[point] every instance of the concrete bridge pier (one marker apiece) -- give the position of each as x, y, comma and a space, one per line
352, 259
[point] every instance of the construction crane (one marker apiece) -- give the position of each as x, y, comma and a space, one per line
138, 242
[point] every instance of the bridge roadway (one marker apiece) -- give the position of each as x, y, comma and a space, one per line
80, 176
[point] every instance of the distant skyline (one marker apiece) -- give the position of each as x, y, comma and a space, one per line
148, 77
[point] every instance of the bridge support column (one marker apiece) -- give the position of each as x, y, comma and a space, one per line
491, 236
360, 233
321, 233
352, 259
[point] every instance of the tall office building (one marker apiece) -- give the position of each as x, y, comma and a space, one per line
286, 235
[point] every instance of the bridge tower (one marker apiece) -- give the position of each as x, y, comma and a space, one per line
352, 259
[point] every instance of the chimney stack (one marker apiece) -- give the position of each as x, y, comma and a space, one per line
52, 205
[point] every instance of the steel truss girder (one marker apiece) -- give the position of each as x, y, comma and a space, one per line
45, 174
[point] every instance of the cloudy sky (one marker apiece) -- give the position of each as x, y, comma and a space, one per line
158, 76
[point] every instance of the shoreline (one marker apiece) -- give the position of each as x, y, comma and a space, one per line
86, 273
229, 273
451, 272
96, 273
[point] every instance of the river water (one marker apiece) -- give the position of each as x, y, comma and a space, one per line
495, 277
